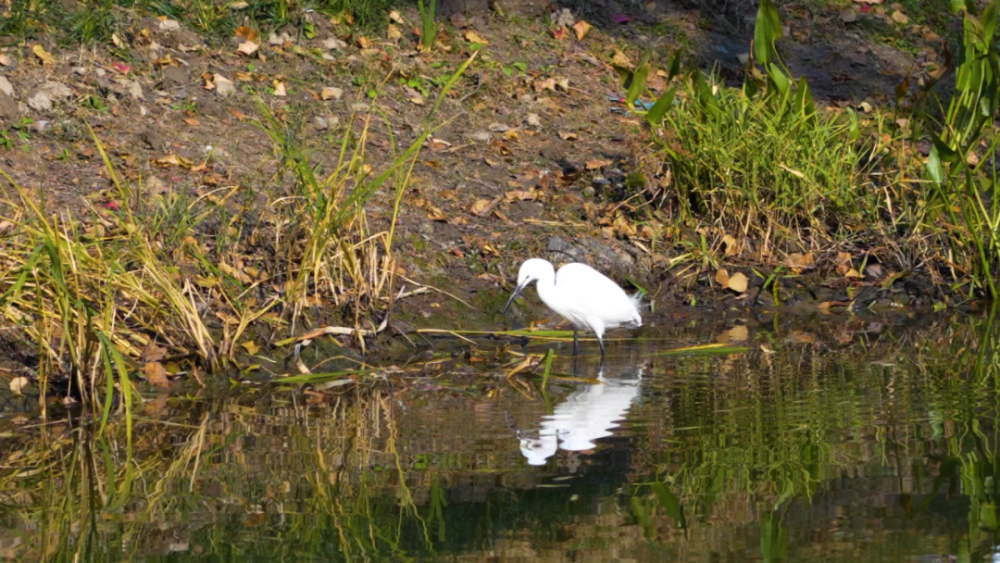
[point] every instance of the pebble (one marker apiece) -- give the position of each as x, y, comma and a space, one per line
320, 123
533, 120
334, 44
170, 26
332, 93
40, 102
360, 107
135, 90
55, 89
223, 86
480, 136
6, 87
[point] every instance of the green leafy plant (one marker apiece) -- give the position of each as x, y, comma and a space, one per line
429, 25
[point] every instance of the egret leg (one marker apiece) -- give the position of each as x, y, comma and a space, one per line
576, 344
601, 342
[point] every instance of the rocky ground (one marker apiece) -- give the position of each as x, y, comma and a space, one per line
532, 160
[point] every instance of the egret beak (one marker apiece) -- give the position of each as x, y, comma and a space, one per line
513, 296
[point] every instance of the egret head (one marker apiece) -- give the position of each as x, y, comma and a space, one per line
531, 270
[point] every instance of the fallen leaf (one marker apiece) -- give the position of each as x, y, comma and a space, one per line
394, 16
279, 89
191, 121
153, 353
247, 48
479, 206
473, 37
581, 28
4, 59
17, 384
799, 262
435, 213
738, 282
247, 33
621, 59
567, 135
156, 374
900, 17
250, 346
560, 33
393, 32
722, 278
597, 164
43, 55
730, 242
363, 42
738, 333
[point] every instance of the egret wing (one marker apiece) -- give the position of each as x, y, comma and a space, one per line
595, 295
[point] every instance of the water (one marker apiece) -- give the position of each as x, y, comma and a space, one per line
850, 440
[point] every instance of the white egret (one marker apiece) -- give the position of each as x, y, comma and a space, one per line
583, 296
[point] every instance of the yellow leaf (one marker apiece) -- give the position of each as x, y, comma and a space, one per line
738, 282
394, 33
250, 347
279, 89
479, 206
581, 28
473, 37
43, 55
722, 278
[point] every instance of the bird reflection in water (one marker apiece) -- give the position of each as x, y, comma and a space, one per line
585, 416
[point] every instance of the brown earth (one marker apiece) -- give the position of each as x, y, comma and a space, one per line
531, 162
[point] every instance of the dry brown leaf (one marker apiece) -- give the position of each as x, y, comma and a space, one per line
738, 282
153, 353
247, 33
363, 42
738, 333
279, 89
722, 278
247, 48
581, 28
568, 136
800, 262
17, 384
393, 33
597, 164
730, 242
435, 213
479, 206
43, 55
156, 374
473, 37
843, 262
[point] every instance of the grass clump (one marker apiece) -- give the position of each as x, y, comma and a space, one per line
167, 285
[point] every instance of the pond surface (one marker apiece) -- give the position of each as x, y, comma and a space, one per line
845, 439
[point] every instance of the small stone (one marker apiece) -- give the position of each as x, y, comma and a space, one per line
332, 93
532, 120
564, 17
223, 86
41, 126
9, 109
135, 90
80, 70
40, 102
101, 73
360, 107
334, 44
6, 87
275, 40
480, 136
56, 89
155, 185
320, 123
170, 26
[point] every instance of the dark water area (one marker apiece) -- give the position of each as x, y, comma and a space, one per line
846, 439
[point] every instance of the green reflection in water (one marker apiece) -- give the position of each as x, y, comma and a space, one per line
856, 441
